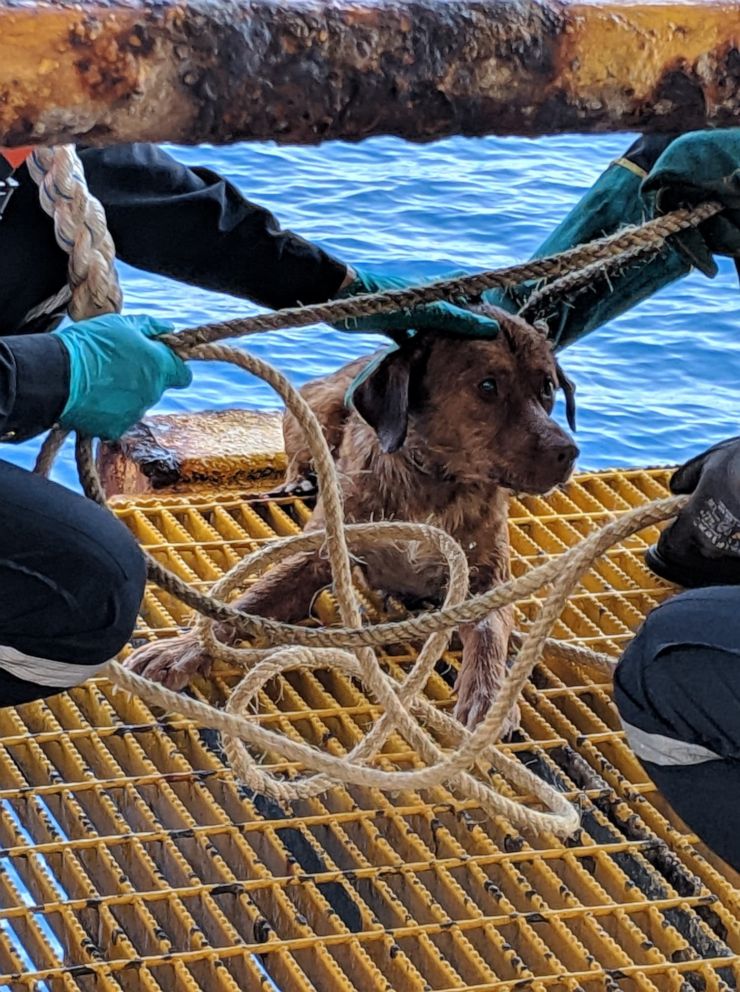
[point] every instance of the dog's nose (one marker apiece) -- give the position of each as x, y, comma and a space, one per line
567, 453
560, 456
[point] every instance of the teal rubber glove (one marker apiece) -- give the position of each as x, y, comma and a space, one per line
440, 316
612, 202
701, 166
117, 371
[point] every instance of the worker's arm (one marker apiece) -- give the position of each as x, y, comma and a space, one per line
194, 226
34, 384
657, 174
615, 200
81, 378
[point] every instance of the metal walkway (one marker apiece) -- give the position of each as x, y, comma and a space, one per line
131, 860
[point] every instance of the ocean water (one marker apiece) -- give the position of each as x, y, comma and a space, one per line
654, 387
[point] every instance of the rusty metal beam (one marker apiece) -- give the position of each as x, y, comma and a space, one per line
303, 71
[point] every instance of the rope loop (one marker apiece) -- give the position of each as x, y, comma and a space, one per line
469, 763
405, 709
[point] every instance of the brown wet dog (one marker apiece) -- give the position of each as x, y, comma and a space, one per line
443, 431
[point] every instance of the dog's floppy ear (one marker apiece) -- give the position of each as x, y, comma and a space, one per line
569, 388
389, 386
380, 395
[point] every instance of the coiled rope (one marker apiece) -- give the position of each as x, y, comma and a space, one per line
467, 762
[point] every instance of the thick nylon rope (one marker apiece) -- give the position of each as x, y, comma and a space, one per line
555, 291
626, 245
80, 228
82, 232
465, 762
405, 710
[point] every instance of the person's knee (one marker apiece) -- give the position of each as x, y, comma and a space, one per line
677, 689
657, 672
76, 609
118, 589
635, 672
679, 681
662, 663
71, 582
81, 594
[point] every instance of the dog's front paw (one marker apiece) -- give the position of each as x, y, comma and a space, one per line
482, 673
473, 703
172, 663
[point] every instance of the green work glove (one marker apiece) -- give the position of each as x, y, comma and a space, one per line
116, 372
613, 201
440, 316
701, 166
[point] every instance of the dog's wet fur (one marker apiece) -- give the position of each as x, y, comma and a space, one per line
443, 430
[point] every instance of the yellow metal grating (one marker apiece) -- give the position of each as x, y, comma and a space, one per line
132, 861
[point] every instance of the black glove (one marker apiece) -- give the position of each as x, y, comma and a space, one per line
702, 546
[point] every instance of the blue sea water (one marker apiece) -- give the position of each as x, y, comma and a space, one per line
654, 386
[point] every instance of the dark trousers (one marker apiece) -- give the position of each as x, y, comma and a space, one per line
677, 689
71, 582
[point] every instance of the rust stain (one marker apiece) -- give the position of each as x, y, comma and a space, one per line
107, 68
61, 56
672, 58
66, 68
366, 17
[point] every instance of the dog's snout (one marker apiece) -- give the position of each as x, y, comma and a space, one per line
557, 457
566, 454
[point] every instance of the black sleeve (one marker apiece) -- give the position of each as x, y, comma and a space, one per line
194, 226
34, 384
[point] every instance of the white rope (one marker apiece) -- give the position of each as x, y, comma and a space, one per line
81, 231
80, 228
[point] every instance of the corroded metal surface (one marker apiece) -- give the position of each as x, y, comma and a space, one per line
214, 449
302, 71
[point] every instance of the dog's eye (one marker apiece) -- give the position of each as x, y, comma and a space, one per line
488, 388
548, 389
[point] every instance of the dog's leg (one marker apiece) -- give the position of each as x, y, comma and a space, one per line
284, 593
483, 668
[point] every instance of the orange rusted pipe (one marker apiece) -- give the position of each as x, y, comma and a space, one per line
303, 71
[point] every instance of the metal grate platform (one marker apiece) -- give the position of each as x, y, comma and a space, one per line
132, 861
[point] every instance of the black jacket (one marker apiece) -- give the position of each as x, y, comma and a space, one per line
189, 224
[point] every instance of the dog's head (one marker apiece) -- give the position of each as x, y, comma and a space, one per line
475, 409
